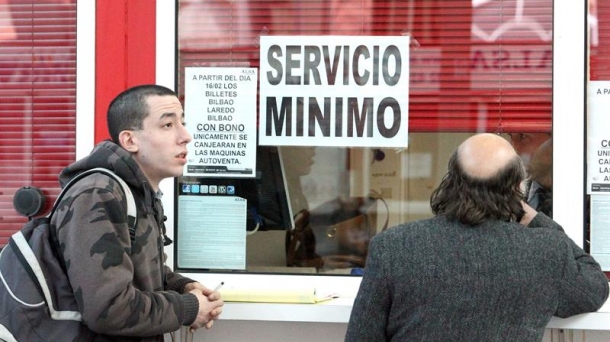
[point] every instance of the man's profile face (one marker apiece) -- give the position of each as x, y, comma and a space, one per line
161, 143
525, 144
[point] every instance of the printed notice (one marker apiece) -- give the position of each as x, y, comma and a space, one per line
334, 91
598, 141
211, 232
598, 170
220, 111
600, 230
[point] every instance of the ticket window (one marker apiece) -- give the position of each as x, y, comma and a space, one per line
477, 67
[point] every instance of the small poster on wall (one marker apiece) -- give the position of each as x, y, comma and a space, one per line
598, 140
220, 112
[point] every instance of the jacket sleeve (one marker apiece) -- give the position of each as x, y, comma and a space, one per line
543, 221
369, 316
94, 239
175, 281
583, 286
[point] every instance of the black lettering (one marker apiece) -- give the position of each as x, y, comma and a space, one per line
316, 115
331, 67
361, 50
393, 130
311, 63
392, 51
339, 117
300, 116
275, 64
346, 65
376, 65
277, 118
357, 119
292, 63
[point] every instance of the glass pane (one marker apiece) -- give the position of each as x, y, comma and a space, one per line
474, 66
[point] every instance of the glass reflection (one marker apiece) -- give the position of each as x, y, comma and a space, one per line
478, 66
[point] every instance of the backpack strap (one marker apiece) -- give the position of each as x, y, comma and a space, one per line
132, 212
23, 252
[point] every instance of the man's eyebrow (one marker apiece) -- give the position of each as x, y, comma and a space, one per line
168, 115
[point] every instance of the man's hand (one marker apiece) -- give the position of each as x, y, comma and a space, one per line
212, 295
530, 213
210, 305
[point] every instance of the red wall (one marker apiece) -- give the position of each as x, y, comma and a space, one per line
125, 52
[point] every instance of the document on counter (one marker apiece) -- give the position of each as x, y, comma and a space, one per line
299, 295
211, 232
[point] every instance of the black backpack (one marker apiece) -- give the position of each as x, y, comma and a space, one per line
36, 299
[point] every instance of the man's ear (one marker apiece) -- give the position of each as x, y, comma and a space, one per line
128, 141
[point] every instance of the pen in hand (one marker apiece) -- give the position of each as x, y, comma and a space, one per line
191, 330
219, 286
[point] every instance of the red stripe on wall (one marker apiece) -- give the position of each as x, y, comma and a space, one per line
125, 38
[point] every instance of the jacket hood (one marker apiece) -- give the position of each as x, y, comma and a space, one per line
111, 156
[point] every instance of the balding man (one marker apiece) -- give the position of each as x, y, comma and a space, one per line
486, 267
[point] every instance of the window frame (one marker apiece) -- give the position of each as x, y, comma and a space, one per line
569, 86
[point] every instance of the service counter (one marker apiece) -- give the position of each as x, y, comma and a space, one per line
599, 320
338, 310
327, 321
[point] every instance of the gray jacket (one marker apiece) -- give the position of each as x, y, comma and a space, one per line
437, 280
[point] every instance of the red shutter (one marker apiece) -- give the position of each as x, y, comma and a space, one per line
599, 40
37, 99
475, 65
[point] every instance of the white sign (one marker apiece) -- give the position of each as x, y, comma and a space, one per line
334, 91
598, 169
598, 140
220, 111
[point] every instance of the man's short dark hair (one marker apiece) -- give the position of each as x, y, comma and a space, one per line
473, 200
129, 109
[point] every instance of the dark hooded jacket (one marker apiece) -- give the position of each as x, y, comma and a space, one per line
124, 292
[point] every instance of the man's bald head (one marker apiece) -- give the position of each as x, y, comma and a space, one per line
483, 182
484, 155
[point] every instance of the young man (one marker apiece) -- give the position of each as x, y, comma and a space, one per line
487, 267
123, 289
